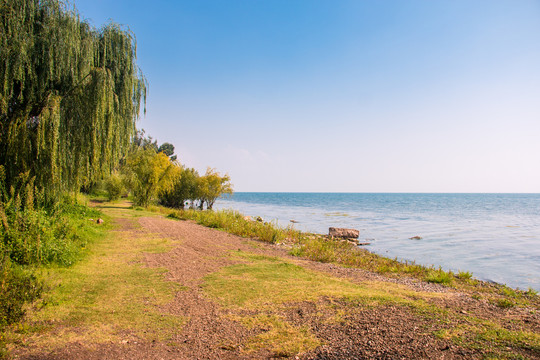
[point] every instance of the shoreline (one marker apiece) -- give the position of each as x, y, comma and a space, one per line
495, 246
308, 245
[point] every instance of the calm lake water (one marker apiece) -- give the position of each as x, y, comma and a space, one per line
494, 236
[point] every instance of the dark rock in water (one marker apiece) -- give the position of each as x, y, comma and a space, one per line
343, 233
294, 221
416, 238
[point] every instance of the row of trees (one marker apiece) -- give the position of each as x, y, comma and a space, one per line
70, 95
153, 173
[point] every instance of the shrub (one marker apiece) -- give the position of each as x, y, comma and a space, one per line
504, 303
464, 275
17, 287
440, 277
114, 186
30, 238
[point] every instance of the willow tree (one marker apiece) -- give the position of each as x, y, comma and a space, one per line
70, 94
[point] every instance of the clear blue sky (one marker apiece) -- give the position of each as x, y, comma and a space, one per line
335, 95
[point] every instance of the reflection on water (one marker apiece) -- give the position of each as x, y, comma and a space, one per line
495, 236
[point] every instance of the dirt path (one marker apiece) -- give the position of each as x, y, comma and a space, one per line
211, 331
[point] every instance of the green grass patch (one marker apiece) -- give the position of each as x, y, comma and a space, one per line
440, 277
278, 336
267, 284
504, 303
33, 239
488, 335
234, 223
106, 293
320, 248
265, 280
464, 275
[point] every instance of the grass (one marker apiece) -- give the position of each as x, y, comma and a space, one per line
491, 337
271, 280
106, 293
266, 284
320, 248
440, 277
278, 336
234, 223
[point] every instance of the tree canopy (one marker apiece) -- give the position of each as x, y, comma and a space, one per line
70, 94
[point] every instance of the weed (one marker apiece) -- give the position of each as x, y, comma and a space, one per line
234, 222
273, 280
464, 275
281, 338
32, 238
440, 277
531, 292
509, 292
504, 303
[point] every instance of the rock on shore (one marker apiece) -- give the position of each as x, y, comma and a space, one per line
343, 233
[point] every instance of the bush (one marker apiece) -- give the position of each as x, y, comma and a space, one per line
30, 238
115, 187
17, 287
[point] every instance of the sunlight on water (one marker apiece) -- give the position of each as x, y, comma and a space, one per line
495, 236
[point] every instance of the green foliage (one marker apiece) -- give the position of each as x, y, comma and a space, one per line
189, 186
34, 237
504, 303
31, 237
211, 186
114, 186
149, 173
69, 95
142, 141
531, 292
185, 188
167, 149
464, 275
440, 277
234, 222
17, 287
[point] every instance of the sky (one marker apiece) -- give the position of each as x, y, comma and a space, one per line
343, 95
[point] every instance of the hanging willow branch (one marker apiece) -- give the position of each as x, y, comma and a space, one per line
69, 94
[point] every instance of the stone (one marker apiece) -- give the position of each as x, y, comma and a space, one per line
100, 221
343, 233
416, 238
